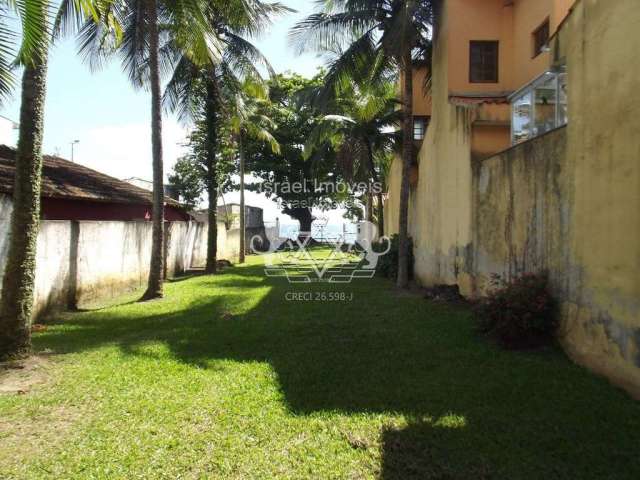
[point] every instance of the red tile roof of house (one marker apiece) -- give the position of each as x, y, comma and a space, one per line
67, 180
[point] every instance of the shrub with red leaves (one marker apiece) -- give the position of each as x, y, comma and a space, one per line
520, 313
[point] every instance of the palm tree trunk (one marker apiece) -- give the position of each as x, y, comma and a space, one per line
376, 180
369, 205
18, 282
407, 160
242, 216
211, 113
154, 287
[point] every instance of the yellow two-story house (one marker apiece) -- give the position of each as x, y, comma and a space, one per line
528, 159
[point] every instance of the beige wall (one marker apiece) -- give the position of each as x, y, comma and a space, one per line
528, 15
567, 202
521, 203
392, 202
477, 20
228, 247
601, 43
512, 24
441, 214
421, 96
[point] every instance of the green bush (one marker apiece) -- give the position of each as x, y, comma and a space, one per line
388, 264
520, 313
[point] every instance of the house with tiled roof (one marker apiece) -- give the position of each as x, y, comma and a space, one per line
71, 191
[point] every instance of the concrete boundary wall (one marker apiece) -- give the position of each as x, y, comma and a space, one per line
567, 202
80, 263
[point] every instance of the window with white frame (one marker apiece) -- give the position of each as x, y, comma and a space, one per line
539, 107
420, 124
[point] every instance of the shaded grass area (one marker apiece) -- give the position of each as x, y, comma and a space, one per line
225, 378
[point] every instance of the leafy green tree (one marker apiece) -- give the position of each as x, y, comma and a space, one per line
197, 91
190, 173
18, 280
247, 123
381, 37
297, 182
146, 26
188, 180
362, 130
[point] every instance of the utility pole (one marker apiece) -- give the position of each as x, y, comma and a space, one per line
74, 143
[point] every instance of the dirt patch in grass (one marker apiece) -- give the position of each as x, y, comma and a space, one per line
20, 376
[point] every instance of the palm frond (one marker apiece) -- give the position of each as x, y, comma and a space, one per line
244, 58
323, 31
8, 38
35, 21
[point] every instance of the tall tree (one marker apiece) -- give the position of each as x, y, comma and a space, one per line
18, 280
247, 122
192, 173
148, 25
280, 173
196, 91
362, 130
382, 36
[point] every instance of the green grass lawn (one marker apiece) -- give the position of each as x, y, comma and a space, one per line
224, 378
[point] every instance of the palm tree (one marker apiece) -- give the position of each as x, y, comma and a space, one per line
363, 133
382, 36
192, 86
18, 280
248, 123
145, 25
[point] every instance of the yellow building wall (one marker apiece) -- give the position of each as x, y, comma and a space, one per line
477, 20
486, 140
600, 42
512, 23
440, 224
421, 94
528, 15
392, 200
568, 202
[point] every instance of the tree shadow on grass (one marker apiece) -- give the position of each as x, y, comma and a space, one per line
474, 411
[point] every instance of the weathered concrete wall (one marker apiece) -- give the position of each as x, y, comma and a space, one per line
53, 259
54, 266
600, 43
179, 247
392, 201
568, 202
440, 214
79, 263
113, 257
521, 207
228, 244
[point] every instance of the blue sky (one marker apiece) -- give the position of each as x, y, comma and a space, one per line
111, 119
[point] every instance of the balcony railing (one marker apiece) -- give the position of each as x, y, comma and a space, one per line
539, 107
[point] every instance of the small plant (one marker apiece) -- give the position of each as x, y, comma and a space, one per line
388, 264
520, 313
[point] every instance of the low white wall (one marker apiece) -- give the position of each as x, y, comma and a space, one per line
79, 263
228, 244
54, 264
113, 257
